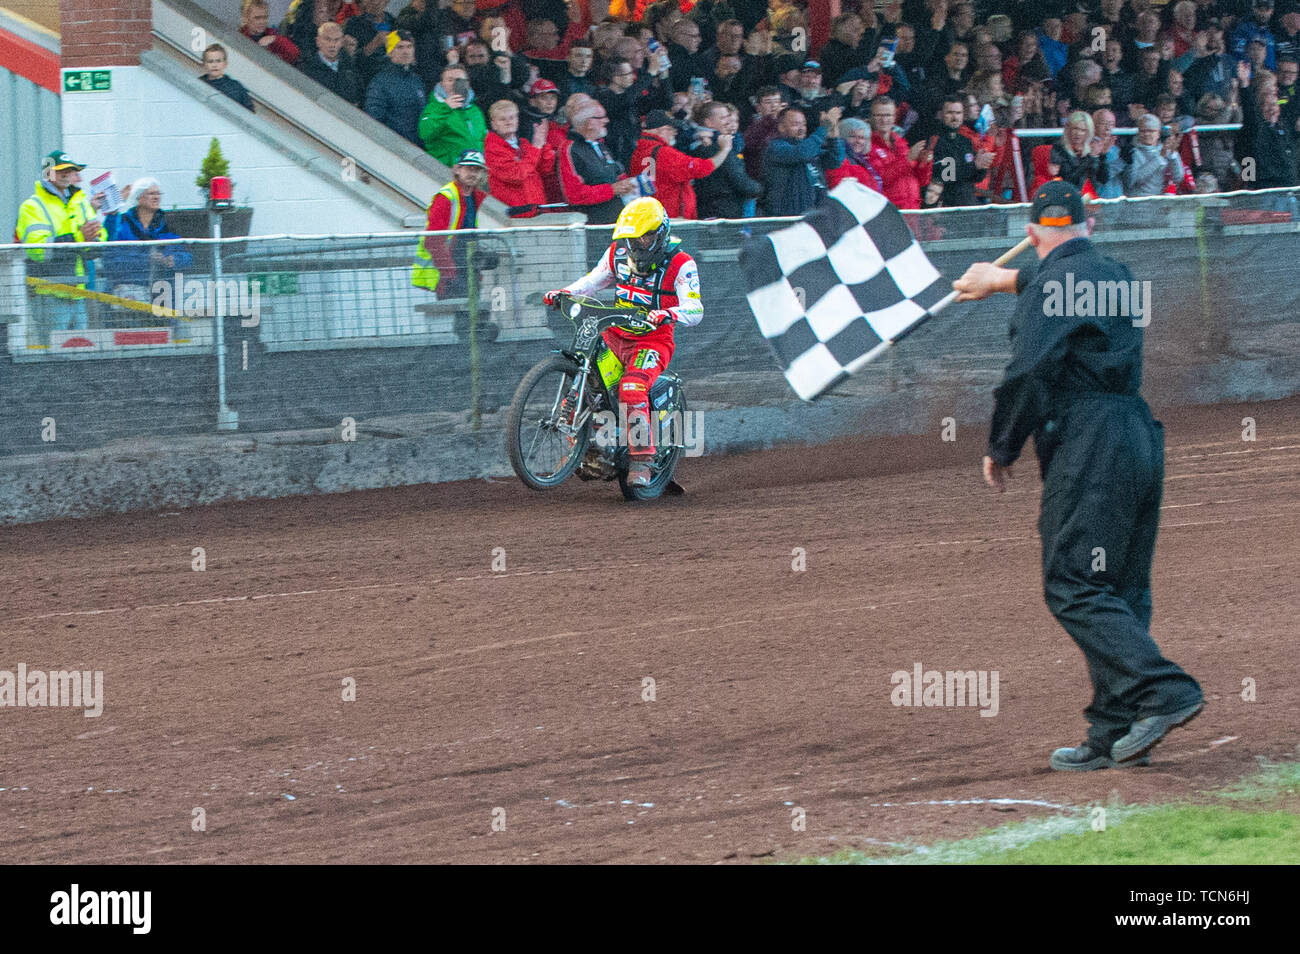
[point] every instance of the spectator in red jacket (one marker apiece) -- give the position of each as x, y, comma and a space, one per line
857, 157
515, 165
254, 23
902, 170
671, 169
440, 260
542, 112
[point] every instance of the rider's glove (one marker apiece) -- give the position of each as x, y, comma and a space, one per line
659, 316
549, 298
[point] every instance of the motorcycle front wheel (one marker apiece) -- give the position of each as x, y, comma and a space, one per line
544, 451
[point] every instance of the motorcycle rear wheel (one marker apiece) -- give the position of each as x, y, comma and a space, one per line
542, 455
662, 472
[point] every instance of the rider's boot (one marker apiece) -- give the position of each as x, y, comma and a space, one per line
640, 445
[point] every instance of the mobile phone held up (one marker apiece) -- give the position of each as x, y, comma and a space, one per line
887, 50
654, 47
461, 87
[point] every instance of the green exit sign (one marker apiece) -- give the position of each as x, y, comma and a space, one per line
276, 283
87, 81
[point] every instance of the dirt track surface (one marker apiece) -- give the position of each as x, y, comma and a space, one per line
522, 690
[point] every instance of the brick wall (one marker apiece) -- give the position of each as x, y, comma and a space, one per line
105, 32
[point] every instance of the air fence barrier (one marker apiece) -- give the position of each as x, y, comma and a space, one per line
340, 374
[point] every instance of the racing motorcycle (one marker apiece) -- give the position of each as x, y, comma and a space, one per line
566, 417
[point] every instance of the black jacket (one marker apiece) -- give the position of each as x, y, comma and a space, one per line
593, 168
396, 97
723, 193
362, 29
837, 57
1075, 169
1058, 354
954, 168
626, 110
232, 88
1274, 149
430, 54
342, 82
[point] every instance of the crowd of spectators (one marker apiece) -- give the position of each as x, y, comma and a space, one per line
734, 108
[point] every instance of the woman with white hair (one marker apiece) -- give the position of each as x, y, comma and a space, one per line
1154, 163
1078, 155
132, 269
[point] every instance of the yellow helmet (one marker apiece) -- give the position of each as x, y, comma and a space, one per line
643, 223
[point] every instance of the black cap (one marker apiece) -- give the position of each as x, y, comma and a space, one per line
657, 119
1057, 203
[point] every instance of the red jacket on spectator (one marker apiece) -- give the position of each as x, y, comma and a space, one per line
282, 46
674, 171
512, 12
515, 172
902, 177
557, 134
982, 142
849, 169
439, 248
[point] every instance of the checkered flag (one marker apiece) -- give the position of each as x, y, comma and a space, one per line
834, 291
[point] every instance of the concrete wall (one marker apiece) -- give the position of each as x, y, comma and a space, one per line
122, 130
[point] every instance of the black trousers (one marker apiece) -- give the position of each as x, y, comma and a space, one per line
1100, 512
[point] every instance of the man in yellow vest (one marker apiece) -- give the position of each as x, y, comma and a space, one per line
440, 261
59, 211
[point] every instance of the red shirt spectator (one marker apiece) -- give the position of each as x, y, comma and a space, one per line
673, 169
515, 165
857, 158
901, 170
454, 208
255, 25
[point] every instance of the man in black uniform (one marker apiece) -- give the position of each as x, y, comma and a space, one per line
1073, 383
957, 167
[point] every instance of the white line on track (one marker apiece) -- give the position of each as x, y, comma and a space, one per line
351, 587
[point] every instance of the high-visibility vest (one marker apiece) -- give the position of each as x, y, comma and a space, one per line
44, 217
425, 274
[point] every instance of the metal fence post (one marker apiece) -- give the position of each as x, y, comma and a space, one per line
227, 420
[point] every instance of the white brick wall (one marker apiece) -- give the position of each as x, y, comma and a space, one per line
146, 126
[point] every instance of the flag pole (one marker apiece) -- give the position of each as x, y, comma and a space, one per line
934, 309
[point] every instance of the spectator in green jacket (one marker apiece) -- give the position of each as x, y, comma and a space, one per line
452, 122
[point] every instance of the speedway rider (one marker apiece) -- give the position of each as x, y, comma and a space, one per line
648, 270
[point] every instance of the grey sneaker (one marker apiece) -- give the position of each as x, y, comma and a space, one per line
1145, 733
1082, 758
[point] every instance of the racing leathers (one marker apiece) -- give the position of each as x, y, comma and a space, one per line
671, 294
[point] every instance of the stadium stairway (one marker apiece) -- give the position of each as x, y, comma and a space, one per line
323, 135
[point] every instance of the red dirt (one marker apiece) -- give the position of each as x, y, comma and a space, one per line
522, 690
